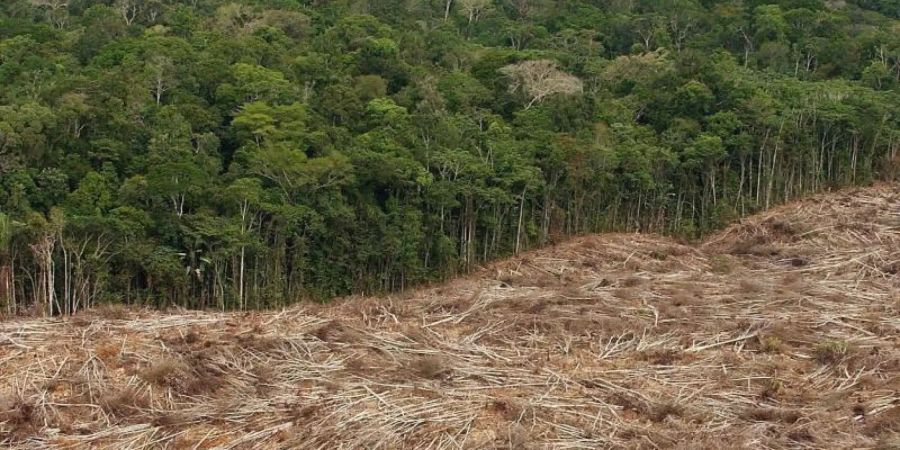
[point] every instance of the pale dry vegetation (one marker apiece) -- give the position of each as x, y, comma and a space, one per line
613, 341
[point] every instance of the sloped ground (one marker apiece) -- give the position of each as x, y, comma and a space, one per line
780, 332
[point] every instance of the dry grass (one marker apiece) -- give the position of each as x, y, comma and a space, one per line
779, 332
431, 367
162, 372
111, 312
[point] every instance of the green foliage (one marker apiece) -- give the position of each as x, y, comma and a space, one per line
248, 154
832, 351
6, 235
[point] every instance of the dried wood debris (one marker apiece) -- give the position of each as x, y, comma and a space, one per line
782, 331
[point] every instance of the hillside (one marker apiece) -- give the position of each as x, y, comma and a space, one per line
780, 331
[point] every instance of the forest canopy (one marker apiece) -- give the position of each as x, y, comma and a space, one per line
249, 153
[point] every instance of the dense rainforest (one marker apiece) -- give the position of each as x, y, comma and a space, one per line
243, 154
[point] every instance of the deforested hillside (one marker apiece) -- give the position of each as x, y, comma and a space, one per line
781, 331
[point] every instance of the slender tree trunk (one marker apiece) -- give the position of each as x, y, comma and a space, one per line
740, 193
521, 217
241, 279
759, 166
12, 284
6, 288
774, 161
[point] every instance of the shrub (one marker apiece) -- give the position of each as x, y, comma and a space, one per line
831, 352
770, 344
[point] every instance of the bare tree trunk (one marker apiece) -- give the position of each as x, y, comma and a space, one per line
12, 284
66, 291
774, 161
241, 279
740, 193
521, 217
6, 288
43, 252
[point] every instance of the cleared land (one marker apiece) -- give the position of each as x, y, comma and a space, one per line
781, 331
